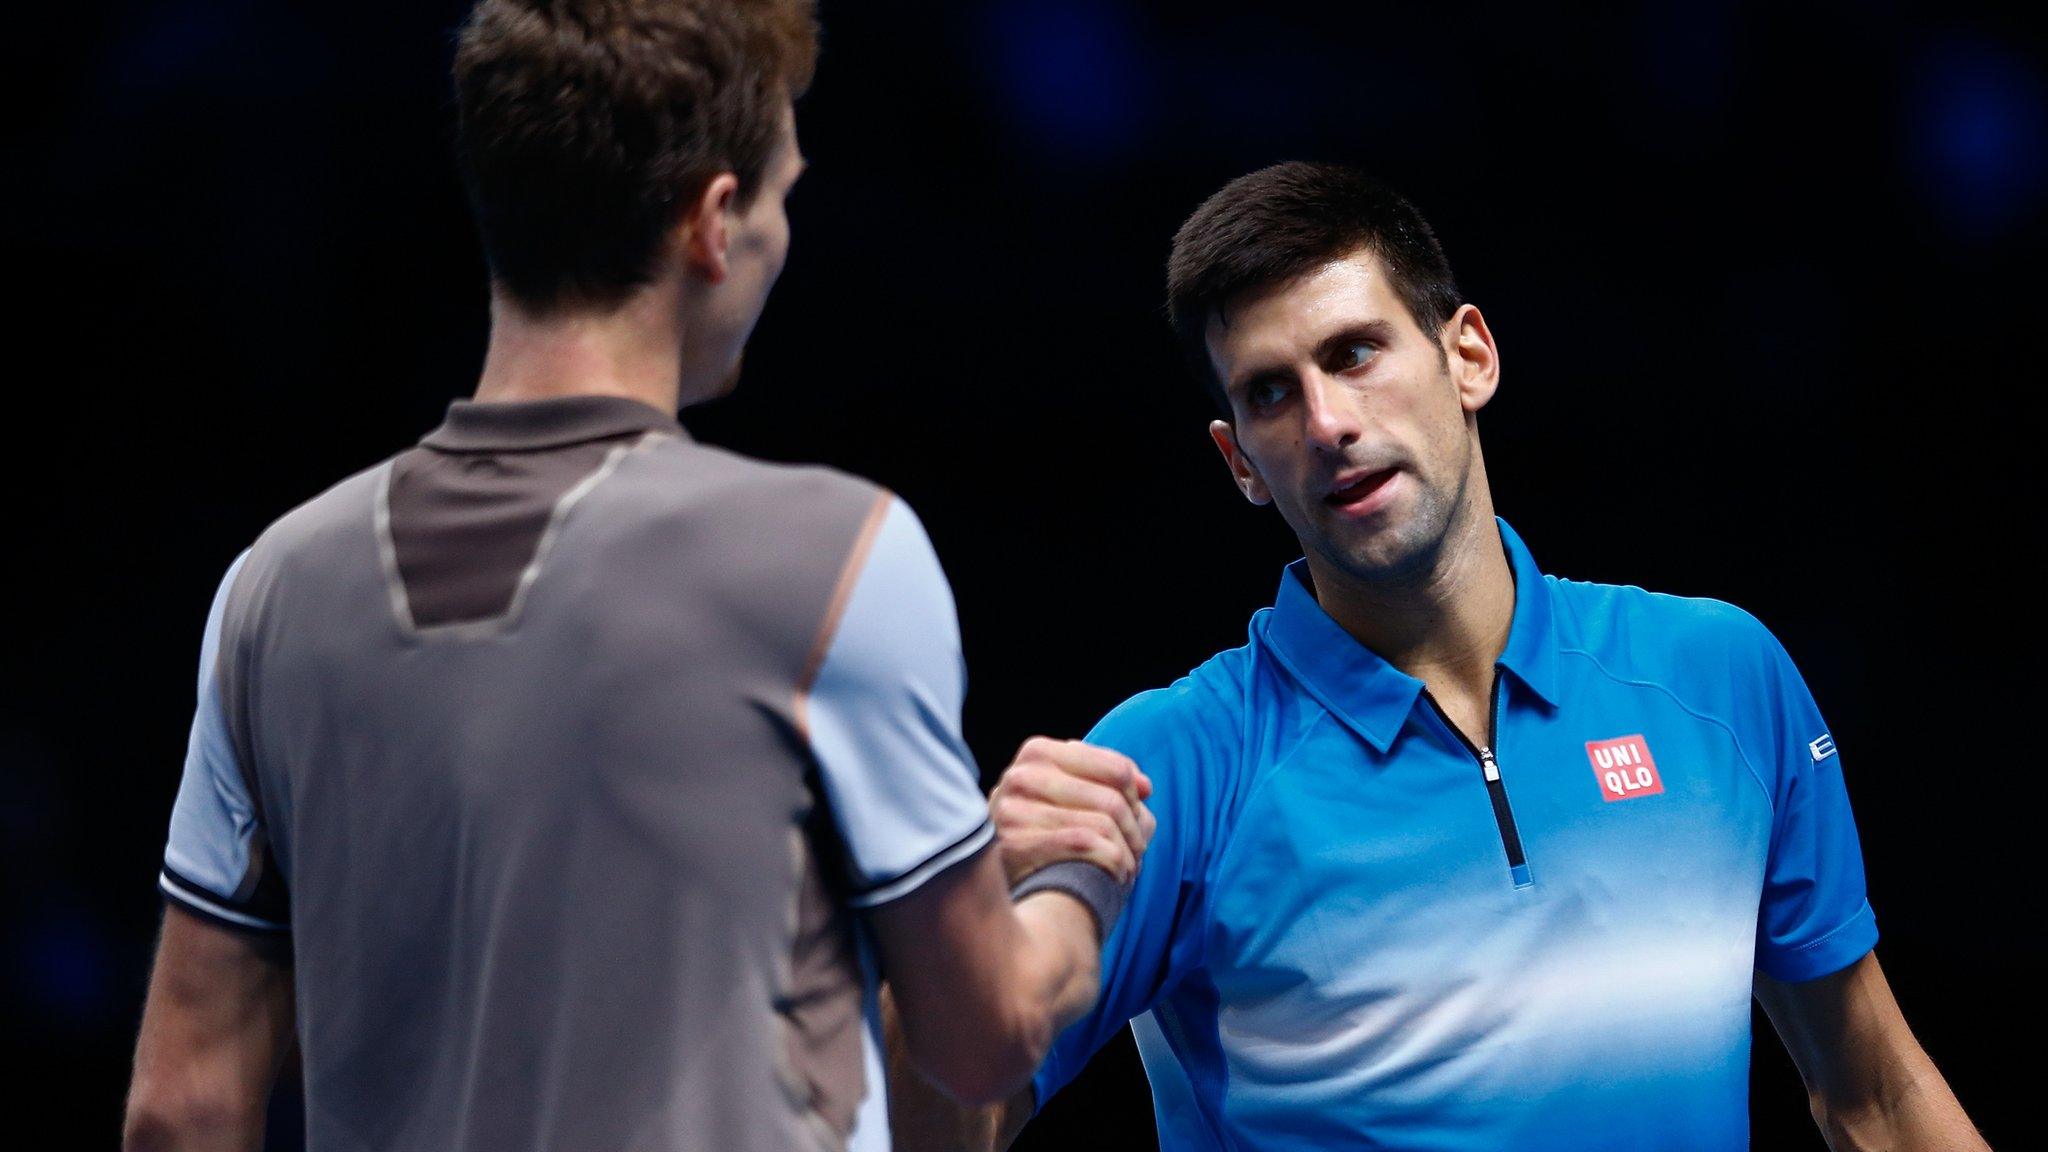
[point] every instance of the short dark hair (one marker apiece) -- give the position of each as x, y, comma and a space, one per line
585, 126
1272, 225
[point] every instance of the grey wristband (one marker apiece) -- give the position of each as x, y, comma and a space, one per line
1091, 884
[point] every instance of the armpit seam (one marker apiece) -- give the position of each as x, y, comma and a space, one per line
1770, 800
835, 608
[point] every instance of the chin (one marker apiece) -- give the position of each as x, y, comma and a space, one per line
1394, 554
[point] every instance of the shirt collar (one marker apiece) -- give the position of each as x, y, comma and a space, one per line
1373, 696
530, 425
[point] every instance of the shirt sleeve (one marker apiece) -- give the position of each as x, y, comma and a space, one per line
1157, 941
1814, 918
216, 862
883, 719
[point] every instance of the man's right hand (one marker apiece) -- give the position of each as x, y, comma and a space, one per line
982, 981
1060, 800
1066, 800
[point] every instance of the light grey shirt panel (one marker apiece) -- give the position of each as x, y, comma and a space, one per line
884, 721
213, 823
871, 1131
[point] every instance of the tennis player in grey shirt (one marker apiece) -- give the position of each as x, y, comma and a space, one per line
563, 783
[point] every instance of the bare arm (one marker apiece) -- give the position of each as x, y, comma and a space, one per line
1055, 802
216, 1026
1868, 1082
982, 985
924, 1119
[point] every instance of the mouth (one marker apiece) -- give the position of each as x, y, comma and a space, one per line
1355, 488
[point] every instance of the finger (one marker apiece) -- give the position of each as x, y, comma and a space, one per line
1084, 795
1025, 828
1019, 816
1106, 851
1023, 813
1027, 850
1087, 761
1033, 849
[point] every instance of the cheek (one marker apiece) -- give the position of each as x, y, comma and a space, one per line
767, 231
1275, 459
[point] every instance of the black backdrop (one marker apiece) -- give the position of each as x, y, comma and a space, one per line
1759, 273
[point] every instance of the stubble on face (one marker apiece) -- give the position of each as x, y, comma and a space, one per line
1407, 552
1400, 412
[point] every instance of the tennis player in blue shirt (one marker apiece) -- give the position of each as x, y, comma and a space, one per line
1453, 854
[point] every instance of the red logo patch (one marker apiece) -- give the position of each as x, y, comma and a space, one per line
1624, 768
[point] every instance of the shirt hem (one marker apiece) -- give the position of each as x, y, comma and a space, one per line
913, 878
212, 908
1840, 947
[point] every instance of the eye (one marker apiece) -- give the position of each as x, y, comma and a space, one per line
1356, 354
1266, 393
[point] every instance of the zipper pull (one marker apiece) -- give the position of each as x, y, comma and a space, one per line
1487, 763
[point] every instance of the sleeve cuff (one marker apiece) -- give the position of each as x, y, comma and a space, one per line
208, 906
1841, 947
906, 882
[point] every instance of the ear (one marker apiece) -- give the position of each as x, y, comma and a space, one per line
1241, 470
704, 230
1473, 359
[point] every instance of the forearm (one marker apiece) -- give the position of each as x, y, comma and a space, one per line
215, 1029
1868, 1081
1062, 964
984, 979
922, 1118
194, 1116
983, 983
1912, 1109
192, 1095
1049, 981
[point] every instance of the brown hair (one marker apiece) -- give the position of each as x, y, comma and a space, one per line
1269, 226
584, 127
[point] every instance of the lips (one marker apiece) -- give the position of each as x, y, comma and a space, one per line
1357, 488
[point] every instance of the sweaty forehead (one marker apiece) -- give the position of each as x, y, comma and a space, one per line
1284, 321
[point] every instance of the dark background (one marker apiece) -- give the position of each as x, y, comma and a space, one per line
1761, 274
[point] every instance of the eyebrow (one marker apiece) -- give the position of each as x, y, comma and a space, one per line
1374, 331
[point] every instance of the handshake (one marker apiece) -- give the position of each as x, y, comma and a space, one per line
979, 987
1064, 809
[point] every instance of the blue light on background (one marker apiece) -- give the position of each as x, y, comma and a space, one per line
1072, 73
1975, 133
64, 962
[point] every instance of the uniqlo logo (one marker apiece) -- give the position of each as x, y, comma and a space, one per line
1625, 768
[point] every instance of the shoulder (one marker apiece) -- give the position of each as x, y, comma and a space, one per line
1637, 634
1189, 735
344, 514
1714, 659
769, 484
759, 519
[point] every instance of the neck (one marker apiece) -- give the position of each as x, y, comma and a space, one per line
634, 351
1451, 622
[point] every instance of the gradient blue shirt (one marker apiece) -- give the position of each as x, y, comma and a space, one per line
1331, 942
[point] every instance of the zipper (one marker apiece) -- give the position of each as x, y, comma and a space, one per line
1496, 790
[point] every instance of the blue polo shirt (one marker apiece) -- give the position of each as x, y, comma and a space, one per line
1356, 929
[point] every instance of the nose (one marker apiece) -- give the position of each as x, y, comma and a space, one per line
1331, 418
